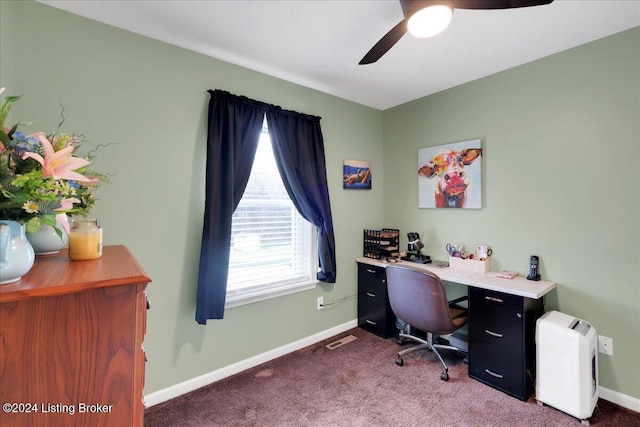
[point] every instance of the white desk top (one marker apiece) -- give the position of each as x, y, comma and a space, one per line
516, 286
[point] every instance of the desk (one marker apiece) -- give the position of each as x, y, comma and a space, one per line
502, 318
519, 285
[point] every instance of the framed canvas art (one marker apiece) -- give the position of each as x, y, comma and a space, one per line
450, 175
356, 175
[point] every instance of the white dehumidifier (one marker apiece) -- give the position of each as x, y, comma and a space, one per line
566, 364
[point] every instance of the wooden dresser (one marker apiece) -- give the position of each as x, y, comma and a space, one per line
71, 337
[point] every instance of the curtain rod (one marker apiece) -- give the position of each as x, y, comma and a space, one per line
263, 105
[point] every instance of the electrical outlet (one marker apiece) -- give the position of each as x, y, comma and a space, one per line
605, 345
320, 303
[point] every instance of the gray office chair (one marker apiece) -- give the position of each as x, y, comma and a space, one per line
418, 298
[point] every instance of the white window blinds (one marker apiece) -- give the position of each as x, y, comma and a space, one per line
272, 247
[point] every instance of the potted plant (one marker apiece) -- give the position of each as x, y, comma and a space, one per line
42, 180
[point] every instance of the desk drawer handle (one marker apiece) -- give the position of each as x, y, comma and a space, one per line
493, 374
371, 294
494, 334
371, 322
371, 271
493, 299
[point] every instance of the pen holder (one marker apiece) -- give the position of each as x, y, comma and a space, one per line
470, 264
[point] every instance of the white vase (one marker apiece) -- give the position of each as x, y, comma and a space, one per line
16, 253
46, 240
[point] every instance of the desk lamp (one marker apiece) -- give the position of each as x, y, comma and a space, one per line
416, 245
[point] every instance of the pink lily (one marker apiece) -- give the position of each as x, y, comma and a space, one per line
57, 164
65, 205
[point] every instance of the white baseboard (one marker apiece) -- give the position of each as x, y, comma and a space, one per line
211, 377
203, 380
619, 398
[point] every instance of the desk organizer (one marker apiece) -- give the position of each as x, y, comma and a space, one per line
381, 243
470, 264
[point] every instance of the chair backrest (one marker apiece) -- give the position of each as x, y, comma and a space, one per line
418, 297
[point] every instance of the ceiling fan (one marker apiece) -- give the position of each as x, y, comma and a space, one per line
425, 18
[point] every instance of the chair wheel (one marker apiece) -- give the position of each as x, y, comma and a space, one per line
399, 361
444, 376
400, 341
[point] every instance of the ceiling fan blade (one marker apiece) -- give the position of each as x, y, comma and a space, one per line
495, 4
409, 7
385, 43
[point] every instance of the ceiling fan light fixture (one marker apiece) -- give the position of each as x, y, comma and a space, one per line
429, 21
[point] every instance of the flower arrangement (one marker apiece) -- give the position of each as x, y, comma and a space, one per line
41, 181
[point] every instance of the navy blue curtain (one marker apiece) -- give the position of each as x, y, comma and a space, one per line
299, 151
235, 124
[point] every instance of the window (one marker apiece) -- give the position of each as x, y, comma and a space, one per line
273, 248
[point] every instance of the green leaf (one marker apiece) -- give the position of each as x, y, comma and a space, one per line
5, 108
50, 219
33, 225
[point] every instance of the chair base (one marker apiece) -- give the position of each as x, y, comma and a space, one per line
429, 345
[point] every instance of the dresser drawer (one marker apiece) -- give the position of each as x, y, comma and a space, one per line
499, 368
483, 297
372, 315
366, 271
374, 288
498, 326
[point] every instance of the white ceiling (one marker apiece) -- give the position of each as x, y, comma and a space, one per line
318, 43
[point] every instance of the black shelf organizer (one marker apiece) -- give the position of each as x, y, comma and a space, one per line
384, 243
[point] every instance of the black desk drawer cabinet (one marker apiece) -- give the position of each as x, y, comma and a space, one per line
502, 340
374, 312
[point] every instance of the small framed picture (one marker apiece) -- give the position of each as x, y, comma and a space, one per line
356, 175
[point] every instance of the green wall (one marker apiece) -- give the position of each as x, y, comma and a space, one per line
7, 18
561, 139
149, 100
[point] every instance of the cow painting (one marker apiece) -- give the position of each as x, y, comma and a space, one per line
450, 169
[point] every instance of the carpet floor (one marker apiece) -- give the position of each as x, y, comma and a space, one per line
359, 384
